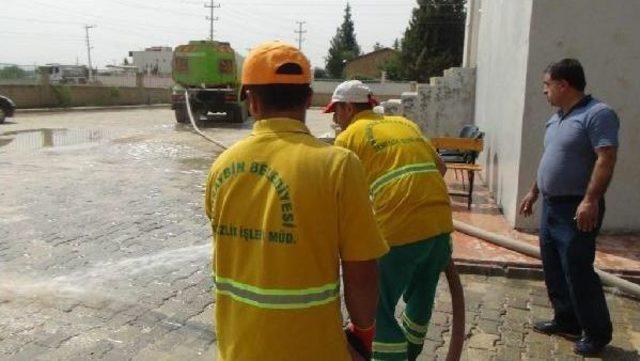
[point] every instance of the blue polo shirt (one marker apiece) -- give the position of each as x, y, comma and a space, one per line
569, 147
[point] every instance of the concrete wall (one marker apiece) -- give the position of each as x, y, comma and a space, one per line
470, 54
442, 107
129, 80
603, 35
379, 89
322, 90
446, 104
502, 58
39, 96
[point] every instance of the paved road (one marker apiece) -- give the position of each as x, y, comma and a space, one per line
104, 250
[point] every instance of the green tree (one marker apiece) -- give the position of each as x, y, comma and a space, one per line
393, 68
344, 46
12, 72
434, 38
377, 46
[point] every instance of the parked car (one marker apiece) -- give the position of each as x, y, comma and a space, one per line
7, 107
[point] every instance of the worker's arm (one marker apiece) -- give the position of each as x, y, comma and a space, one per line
360, 280
588, 210
526, 205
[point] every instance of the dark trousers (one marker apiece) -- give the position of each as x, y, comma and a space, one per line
567, 259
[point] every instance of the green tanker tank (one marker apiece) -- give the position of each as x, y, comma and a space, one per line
210, 71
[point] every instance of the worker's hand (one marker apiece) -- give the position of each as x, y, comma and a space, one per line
360, 340
587, 215
526, 206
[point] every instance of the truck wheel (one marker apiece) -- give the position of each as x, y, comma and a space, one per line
238, 114
182, 116
3, 115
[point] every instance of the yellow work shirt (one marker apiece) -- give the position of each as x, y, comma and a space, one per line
410, 198
285, 208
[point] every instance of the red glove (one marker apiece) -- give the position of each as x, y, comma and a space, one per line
365, 335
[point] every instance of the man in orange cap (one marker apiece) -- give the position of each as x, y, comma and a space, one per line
286, 211
413, 211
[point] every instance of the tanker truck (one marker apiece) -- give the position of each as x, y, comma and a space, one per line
209, 72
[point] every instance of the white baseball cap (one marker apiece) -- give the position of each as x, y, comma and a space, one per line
351, 91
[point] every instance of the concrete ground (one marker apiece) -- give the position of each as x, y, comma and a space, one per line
616, 253
105, 253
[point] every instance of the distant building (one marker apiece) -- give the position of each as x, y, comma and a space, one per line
153, 60
66, 74
368, 65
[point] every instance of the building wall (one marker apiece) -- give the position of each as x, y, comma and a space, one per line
368, 65
603, 35
445, 105
146, 60
470, 53
512, 110
502, 58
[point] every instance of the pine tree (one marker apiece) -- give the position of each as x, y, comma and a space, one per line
344, 46
434, 39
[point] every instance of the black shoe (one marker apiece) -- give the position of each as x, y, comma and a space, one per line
552, 328
588, 346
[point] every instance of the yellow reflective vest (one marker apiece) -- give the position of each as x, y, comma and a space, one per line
285, 208
409, 196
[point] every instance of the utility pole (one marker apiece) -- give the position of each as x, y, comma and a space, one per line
211, 18
300, 32
86, 30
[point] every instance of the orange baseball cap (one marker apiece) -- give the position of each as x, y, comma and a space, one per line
276, 62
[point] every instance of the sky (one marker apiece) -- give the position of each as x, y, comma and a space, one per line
48, 31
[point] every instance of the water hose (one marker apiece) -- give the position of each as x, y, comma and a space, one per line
453, 279
458, 312
533, 251
195, 127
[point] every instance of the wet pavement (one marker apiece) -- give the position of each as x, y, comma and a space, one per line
105, 253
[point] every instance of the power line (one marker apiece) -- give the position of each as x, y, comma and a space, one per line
211, 18
86, 30
300, 32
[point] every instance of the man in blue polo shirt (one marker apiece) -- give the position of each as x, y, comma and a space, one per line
580, 146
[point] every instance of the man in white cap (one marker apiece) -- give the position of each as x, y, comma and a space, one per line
413, 211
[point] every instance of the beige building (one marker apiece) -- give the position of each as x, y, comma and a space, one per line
368, 65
